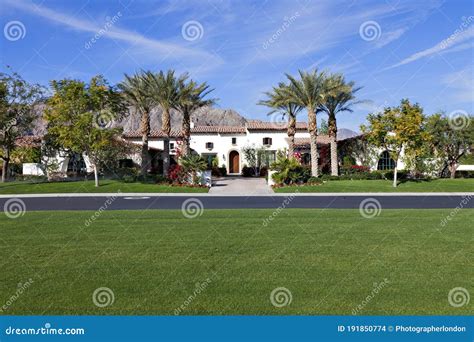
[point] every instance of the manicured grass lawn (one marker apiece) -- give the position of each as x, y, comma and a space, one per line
107, 186
435, 185
152, 260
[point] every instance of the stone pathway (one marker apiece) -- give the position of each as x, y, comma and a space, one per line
240, 186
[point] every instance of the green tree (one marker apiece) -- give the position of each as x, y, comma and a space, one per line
279, 102
309, 91
137, 95
340, 99
191, 97
450, 141
164, 90
17, 100
323, 127
396, 130
76, 115
192, 165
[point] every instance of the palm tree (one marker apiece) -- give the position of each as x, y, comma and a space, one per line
135, 92
309, 91
278, 101
340, 99
163, 89
190, 98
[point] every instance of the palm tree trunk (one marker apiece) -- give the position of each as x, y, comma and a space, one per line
332, 132
166, 128
291, 135
6, 161
313, 136
145, 128
186, 132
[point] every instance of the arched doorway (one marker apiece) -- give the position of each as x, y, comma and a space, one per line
234, 162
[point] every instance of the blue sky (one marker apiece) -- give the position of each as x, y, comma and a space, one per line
421, 50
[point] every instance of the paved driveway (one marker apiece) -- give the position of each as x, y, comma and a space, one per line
240, 186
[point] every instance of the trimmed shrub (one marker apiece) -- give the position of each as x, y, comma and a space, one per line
247, 171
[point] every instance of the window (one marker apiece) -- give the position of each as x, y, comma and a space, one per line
267, 141
208, 157
171, 146
385, 162
209, 145
267, 158
234, 141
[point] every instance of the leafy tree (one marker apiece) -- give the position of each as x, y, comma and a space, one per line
396, 130
253, 156
164, 90
449, 141
341, 99
279, 102
17, 99
323, 127
76, 113
309, 91
136, 94
191, 96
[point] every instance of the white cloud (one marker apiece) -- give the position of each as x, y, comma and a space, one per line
443, 46
134, 39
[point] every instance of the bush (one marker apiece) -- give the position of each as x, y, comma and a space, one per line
128, 179
247, 171
31, 178
219, 171
464, 174
263, 171
290, 171
314, 181
177, 174
400, 175
161, 179
120, 173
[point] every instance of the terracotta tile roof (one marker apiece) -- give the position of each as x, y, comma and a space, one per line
198, 129
301, 142
29, 141
273, 126
218, 129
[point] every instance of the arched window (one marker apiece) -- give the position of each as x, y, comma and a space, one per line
385, 162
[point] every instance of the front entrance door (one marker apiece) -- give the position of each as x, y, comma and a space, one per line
234, 166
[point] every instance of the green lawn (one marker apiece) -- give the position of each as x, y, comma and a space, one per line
152, 261
435, 185
107, 186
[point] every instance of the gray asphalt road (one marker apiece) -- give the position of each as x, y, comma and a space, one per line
240, 202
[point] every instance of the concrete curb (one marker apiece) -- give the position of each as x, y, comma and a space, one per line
299, 194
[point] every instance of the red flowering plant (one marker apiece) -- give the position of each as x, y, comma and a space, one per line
298, 156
